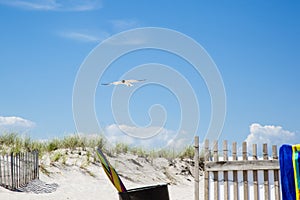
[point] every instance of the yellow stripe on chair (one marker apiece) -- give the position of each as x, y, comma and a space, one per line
296, 166
111, 172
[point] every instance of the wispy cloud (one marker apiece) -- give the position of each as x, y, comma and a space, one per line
128, 41
84, 36
96, 36
119, 25
122, 24
54, 5
13, 123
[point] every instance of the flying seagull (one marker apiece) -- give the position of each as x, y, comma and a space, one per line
128, 83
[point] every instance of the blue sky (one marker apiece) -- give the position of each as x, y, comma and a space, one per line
255, 45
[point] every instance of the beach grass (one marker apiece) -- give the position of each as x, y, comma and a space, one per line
15, 143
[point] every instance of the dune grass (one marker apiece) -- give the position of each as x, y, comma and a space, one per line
14, 143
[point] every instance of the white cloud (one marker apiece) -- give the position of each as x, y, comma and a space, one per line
142, 132
12, 124
121, 24
270, 134
115, 135
31, 5
128, 41
136, 41
162, 137
54, 5
84, 36
97, 36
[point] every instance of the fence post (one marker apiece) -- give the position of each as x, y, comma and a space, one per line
245, 172
255, 177
26, 171
4, 173
216, 173
19, 169
206, 173
235, 180
23, 169
0, 170
8, 171
12, 170
36, 164
196, 167
266, 173
31, 166
225, 173
276, 174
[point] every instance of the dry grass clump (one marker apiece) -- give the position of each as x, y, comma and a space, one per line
14, 143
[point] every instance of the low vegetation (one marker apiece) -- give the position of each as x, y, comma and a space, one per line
14, 143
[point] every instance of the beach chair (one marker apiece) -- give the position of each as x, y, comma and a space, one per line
289, 159
156, 192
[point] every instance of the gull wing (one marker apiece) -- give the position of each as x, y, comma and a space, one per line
105, 83
117, 83
134, 81
112, 83
124, 82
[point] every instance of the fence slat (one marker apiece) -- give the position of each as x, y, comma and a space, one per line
37, 164
31, 166
26, 167
12, 170
196, 168
225, 173
8, 171
206, 173
216, 175
255, 178
4, 171
276, 174
245, 172
235, 180
0, 170
18, 169
214, 166
266, 172
241, 165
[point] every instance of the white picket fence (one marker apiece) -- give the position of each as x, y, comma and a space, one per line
241, 178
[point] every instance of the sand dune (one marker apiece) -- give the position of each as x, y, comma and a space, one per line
77, 175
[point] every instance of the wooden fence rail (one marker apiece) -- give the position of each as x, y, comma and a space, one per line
17, 170
243, 170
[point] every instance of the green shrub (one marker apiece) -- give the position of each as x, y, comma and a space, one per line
8, 139
12, 142
39, 146
54, 145
56, 157
139, 151
121, 148
98, 142
188, 152
166, 153
74, 141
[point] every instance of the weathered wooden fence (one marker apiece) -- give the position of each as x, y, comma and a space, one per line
17, 170
230, 176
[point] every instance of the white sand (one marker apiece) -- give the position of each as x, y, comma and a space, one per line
78, 180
